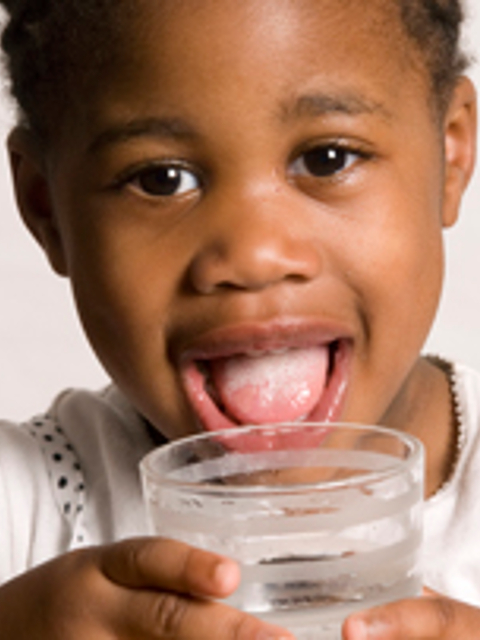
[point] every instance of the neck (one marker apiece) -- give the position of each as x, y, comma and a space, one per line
424, 409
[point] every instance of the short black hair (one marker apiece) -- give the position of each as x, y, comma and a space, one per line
51, 46
435, 27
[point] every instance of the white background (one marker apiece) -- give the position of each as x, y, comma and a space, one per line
42, 348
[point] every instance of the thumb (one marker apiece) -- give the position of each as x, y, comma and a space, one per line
426, 618
163, 564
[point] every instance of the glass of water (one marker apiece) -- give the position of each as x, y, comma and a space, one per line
324, 519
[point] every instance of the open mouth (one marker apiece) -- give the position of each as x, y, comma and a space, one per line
269, 386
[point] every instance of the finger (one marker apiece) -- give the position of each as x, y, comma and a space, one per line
427, 618
169, 565
168, 616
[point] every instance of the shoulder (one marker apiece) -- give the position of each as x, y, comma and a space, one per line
467, 389
109, 438
69, 477
21, 459
100, 425
452, 517
33, 528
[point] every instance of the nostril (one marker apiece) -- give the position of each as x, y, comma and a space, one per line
207, 270
253, 266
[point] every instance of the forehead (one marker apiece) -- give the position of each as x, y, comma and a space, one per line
194, 24
191, 54
351, 25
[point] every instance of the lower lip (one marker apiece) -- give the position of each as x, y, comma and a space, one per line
278, 437
329, 408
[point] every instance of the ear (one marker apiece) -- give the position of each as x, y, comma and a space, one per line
33, 196
460, 133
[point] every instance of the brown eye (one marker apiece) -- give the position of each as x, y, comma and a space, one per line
165, 181
324, 161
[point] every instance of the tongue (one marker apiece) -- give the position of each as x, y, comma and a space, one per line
271, 388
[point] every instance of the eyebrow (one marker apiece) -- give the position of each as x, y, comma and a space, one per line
312, 105
169, 128
315, 105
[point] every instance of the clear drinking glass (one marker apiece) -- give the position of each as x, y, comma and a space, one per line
324, 519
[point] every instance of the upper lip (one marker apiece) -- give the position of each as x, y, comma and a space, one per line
246, 337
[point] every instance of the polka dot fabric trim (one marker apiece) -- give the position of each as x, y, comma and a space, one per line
65, 472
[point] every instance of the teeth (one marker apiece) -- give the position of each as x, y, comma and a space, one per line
259, 353
255, 353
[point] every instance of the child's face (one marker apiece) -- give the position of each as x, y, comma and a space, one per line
266, 176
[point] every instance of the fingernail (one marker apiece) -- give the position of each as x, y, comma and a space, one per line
274, 634
226, 575
357, 629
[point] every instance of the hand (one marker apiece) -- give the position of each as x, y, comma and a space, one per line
139, 589
431, 617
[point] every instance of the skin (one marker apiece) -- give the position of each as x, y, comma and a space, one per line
155, 277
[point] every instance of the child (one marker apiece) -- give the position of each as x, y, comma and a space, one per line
236, 191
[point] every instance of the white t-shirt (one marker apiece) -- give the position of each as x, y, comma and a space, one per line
70, 478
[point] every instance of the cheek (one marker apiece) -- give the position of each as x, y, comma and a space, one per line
125, 282
400, 278
399, 254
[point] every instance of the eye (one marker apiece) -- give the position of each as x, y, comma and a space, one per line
324, 161
164, 180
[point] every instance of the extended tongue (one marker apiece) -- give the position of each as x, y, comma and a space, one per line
271, 388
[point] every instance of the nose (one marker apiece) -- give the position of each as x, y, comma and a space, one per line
254, 243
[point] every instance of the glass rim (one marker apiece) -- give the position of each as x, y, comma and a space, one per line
414, 447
